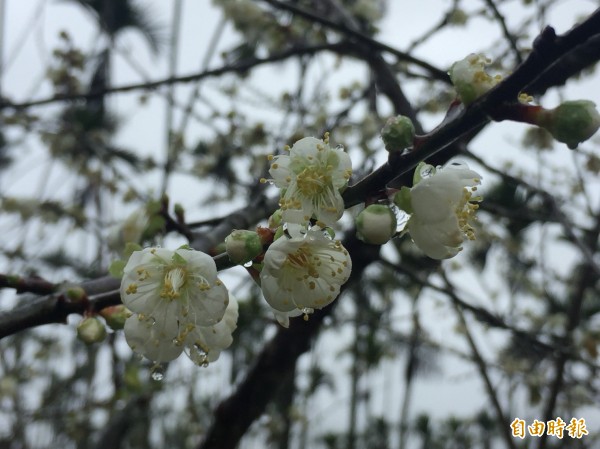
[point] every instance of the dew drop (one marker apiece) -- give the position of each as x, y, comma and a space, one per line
426, 171
248, 264
307, 311
157, 372
401, 220
198, 356
339, 147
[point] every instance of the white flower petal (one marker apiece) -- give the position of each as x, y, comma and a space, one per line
206, 343
142, 337
206, 307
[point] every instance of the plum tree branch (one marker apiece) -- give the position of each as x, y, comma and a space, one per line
530, 76
35, 311
233, 416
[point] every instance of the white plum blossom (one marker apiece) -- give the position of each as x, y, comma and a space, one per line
311, 177
303, 272
442, 208
172, 294
470, 78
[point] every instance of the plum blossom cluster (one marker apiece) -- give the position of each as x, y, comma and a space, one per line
178, 304
305, 267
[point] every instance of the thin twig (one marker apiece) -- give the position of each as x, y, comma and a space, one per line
238, 67
434, 72
483, 372
27, 285
507, 34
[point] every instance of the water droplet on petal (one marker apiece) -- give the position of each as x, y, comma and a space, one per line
248, 264
426, 171
339, 147
401, 219
307, 311
157, 372
198, 356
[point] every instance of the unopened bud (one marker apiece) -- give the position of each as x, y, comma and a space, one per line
115, 316
275, 220
376, 224
470, 79
242, 246
398, 133
76, 294
402, 199
572, 122
90, 330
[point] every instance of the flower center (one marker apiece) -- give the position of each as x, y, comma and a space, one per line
303, 260
313, 180
465, 212
174, 280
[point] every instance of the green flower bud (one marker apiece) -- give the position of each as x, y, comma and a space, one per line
242, 246
402, 200
278, 233
572, 122
115, 316
398, 133
275, 220
90, 330
376, 224
76, 294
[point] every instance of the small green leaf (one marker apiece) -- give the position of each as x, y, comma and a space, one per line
177, 259
116, 268
130, 248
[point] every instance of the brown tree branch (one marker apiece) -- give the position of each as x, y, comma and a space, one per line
35, 311
27, 285
548, 48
